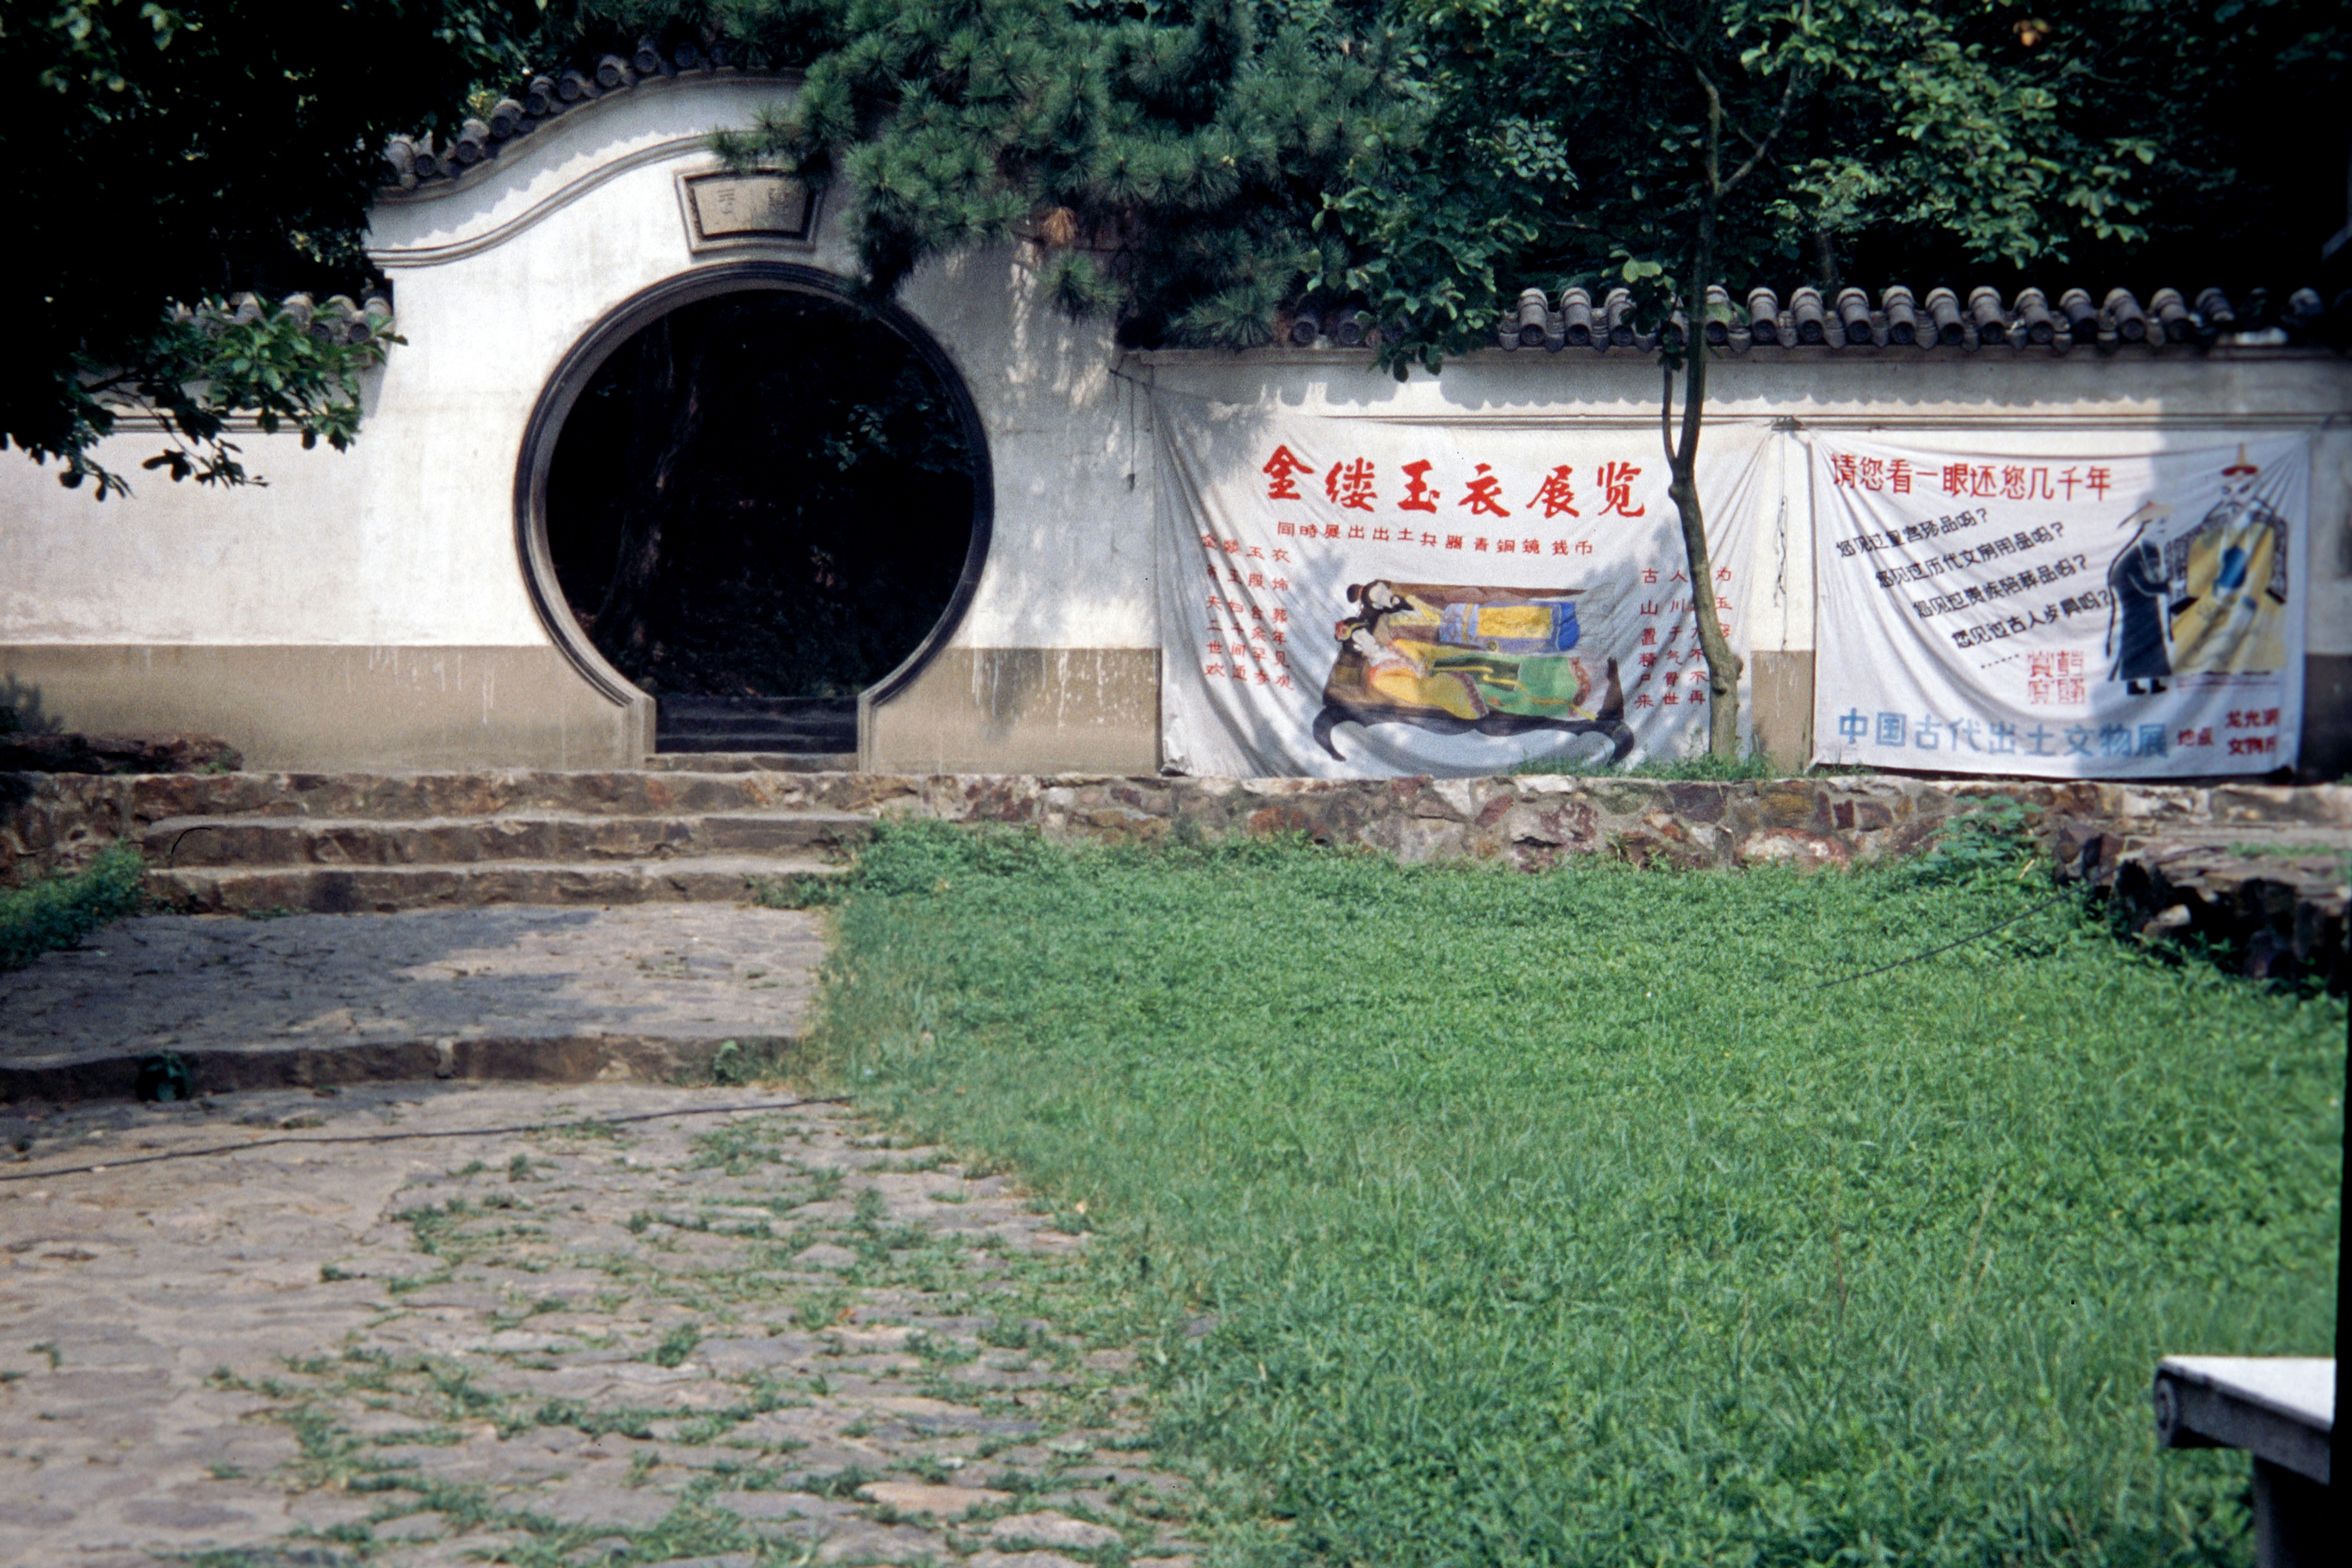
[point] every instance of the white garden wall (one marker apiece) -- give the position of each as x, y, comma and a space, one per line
377, 607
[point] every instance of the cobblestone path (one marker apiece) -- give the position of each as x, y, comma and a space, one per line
743, 1339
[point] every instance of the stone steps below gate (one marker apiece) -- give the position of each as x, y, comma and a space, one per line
187, 843
384, 889
752, 762
775, 725
349, 843
712, 786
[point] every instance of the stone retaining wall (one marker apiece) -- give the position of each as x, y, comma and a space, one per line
50, 823
2272, 904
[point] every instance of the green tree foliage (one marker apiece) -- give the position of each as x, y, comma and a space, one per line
167, 154
1175, 158
1965, 134
2227, 116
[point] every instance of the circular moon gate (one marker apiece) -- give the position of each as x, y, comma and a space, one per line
746, 495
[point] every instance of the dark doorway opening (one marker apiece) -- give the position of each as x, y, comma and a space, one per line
761, 504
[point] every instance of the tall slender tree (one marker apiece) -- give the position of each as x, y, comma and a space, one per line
1665, 145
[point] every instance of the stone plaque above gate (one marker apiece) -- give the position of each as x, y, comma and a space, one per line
724, 209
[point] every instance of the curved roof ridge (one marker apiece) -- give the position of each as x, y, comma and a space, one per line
421, 167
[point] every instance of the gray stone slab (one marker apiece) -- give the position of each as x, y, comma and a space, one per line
502, 991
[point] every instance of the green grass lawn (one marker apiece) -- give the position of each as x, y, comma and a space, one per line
1567, 1219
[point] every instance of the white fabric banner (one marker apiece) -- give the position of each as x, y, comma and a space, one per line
2064, 613
1348, 596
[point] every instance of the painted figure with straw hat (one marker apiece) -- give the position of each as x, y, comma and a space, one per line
2207, 597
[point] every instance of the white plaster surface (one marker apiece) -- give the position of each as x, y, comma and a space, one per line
287, 562
564, 240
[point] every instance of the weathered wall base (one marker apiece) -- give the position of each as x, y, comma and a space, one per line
993, 711
1781, 687
996, 710
53, 822
330, 707
1534, 821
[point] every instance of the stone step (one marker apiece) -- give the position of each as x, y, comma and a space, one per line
719, 722
686, 759
756, 724
820, 728
254, 841
550, 994
780, 706
715, 786
784, 742
2272, 898
383, 890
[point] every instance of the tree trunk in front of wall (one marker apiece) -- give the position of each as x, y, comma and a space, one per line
666, 401
1723, 666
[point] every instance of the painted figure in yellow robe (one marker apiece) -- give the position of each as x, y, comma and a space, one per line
1468, 658
1403, 672
2227, 576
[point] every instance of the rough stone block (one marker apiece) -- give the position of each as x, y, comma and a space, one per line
164, 754
921, 1500
1053, 1529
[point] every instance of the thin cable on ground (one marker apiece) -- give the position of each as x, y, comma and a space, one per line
1914, 958
578, 1125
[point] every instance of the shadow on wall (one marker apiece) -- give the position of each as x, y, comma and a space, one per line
21, 713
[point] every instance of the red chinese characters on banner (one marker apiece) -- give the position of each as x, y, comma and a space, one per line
1418, 496
1892, 475
1282, 470
2254, 719
1350, 485
1355, 485
1482, 498
2055, 677
1558, 496
2004, 481
1617, 490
